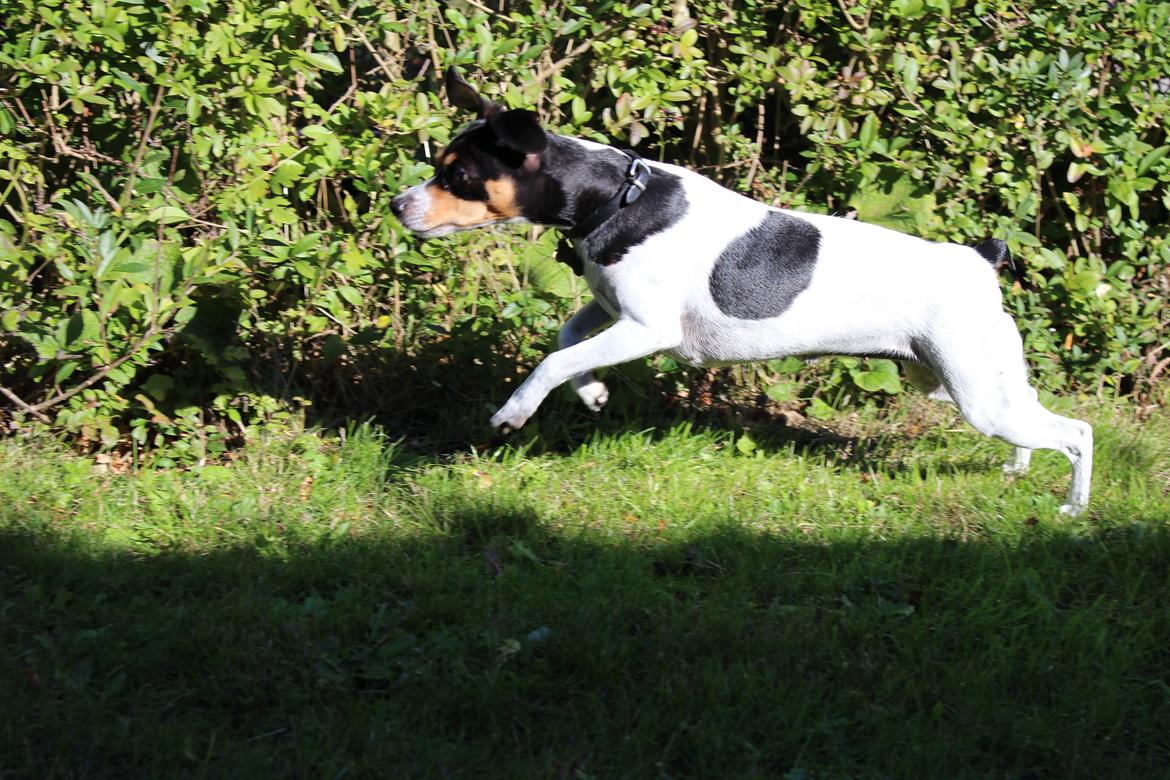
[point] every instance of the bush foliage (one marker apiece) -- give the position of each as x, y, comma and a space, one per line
196, 233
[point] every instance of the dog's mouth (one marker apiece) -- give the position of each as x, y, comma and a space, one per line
443, 230
434, 232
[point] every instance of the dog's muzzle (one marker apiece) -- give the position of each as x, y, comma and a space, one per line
410, 208
398, 206
402, 206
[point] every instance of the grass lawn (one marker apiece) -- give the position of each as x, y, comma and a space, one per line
676, 602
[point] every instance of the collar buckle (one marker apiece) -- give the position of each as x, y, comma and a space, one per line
636, 177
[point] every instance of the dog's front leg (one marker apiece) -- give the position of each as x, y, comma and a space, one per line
626, 340
590, 389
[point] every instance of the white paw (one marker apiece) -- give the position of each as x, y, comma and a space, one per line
1013, 469
595, 395
512, 417
1072, 510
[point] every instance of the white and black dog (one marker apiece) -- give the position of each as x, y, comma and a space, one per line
678, 264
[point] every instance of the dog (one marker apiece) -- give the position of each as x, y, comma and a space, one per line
679, 264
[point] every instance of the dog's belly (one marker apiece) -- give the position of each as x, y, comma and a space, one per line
712, 340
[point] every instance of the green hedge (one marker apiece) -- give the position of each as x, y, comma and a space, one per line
195, 234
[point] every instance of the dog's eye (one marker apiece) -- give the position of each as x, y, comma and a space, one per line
452, 177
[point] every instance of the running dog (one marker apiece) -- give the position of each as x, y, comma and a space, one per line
681, 265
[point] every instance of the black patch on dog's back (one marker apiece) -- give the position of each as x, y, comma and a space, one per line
761, 272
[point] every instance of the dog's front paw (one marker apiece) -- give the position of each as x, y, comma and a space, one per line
1072, 510
510, 418
595, 395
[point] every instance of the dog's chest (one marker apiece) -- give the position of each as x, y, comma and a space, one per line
602, 284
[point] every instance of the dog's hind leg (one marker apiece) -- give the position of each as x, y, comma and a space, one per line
588, 387
927, 382
983, 370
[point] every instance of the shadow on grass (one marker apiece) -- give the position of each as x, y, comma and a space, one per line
507, 646
439, 399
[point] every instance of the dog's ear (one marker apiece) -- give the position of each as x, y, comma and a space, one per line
462, 95
519, 129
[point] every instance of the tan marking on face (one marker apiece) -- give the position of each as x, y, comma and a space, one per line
449, 158
450, 210
502, 197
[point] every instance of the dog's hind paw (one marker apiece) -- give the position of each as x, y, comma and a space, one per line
1018, 465
1014, 469
594, 395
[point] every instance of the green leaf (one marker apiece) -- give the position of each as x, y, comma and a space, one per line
910, 74
286, 173
326, 61
908, 9
819, 410
131, 268
129, 82
786, 365
147, 186
168, 215
81, 328
65, 371
317, 132
305, 246
782, 391
547, 275
745, 444
881, 376
868, 132
1151, 158
898, 203
979, 167
351, 295
90, 96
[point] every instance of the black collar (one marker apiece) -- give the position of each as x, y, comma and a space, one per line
637, 176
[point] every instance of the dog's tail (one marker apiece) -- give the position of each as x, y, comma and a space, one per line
996, 253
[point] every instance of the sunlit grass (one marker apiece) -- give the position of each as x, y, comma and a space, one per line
673, 602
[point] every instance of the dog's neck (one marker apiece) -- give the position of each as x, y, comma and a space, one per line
581, 176
587, 174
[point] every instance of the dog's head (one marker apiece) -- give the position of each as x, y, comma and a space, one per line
491, 172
